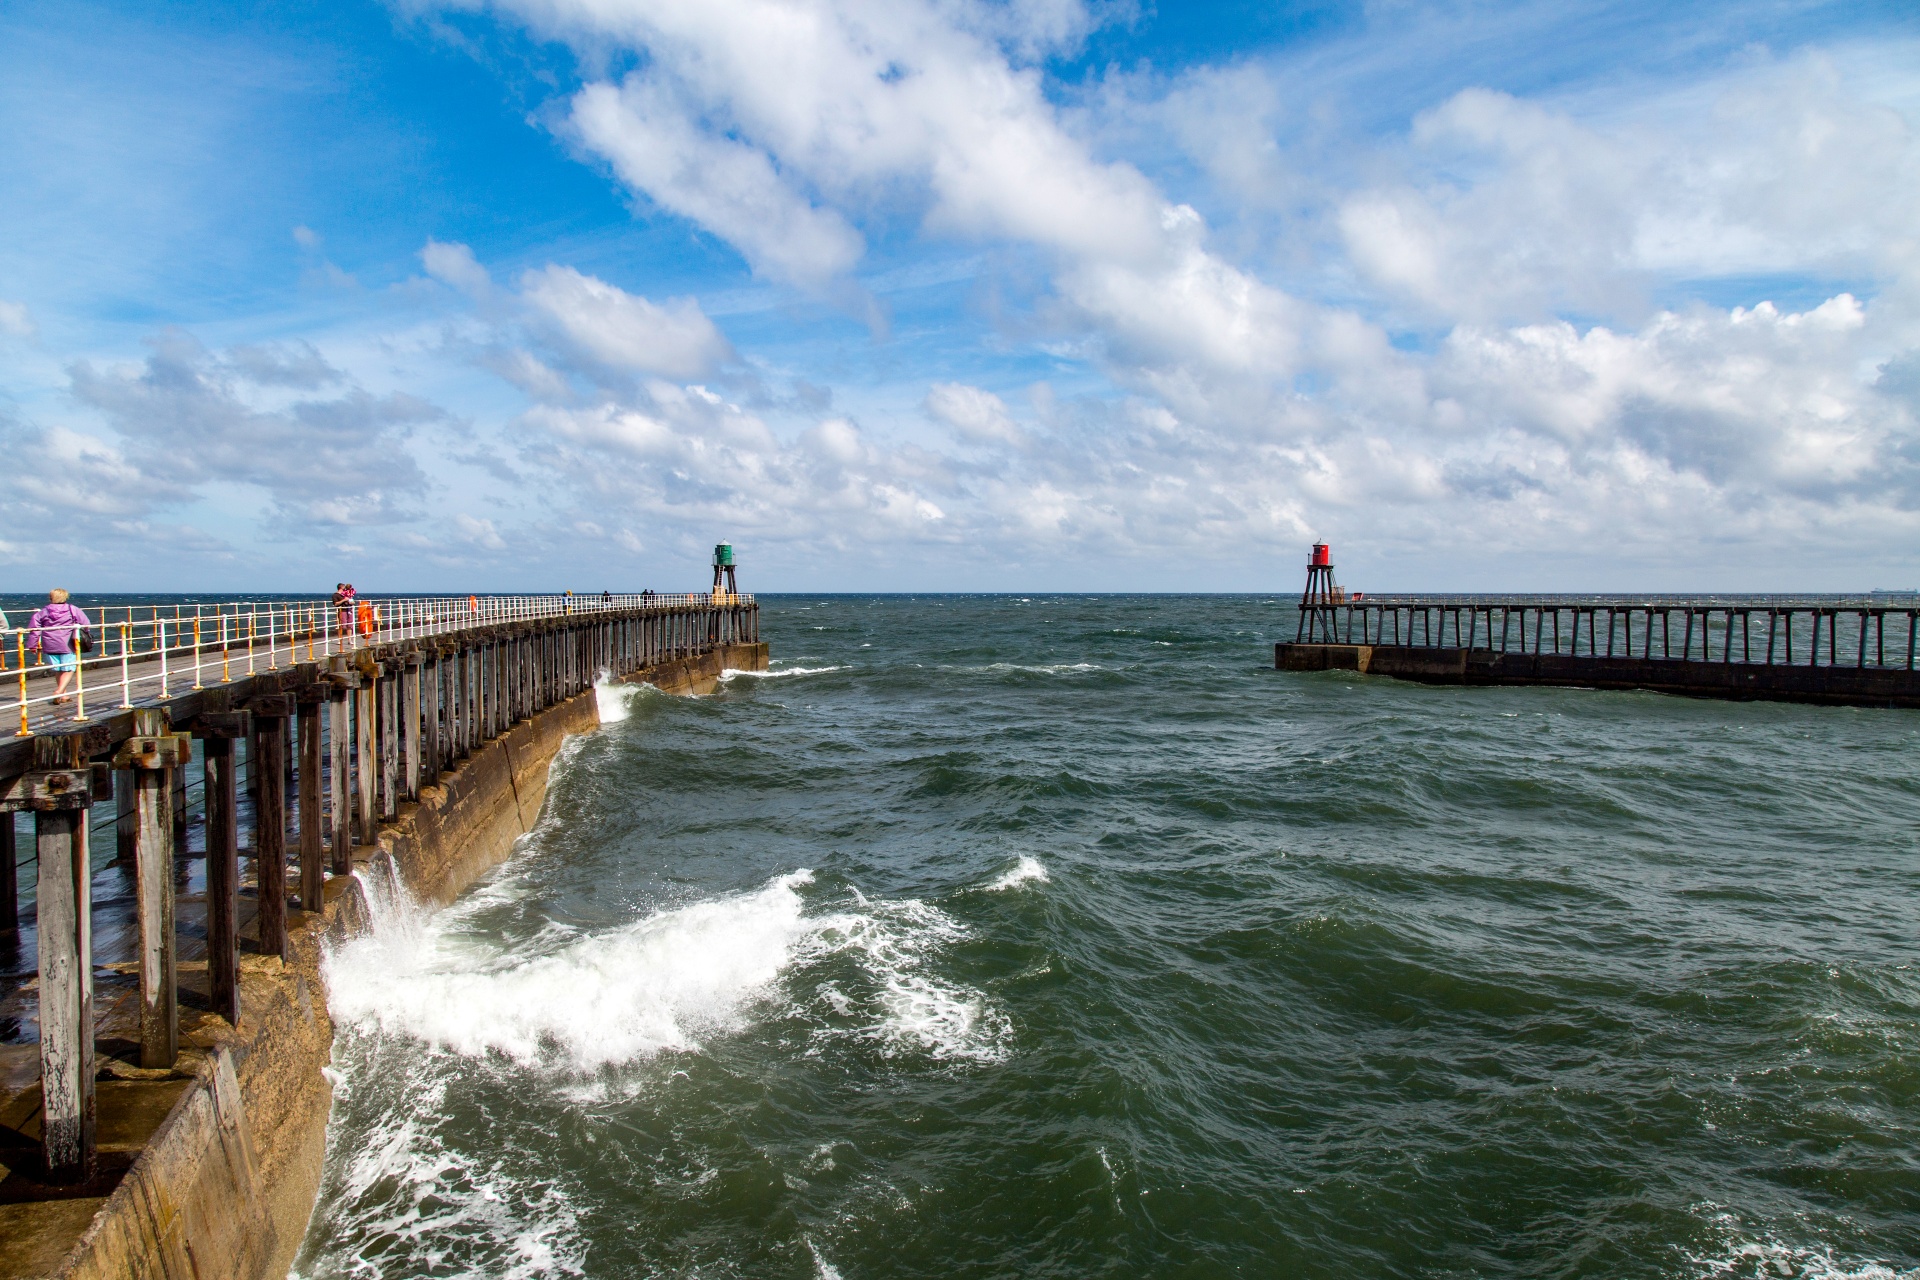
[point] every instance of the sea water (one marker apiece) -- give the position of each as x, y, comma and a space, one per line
1063, 937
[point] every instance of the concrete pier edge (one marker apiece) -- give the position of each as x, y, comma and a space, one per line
226, 1184
1732, 681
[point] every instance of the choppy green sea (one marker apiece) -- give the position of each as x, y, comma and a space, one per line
1063, 937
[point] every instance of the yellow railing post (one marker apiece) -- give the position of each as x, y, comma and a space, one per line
20, 642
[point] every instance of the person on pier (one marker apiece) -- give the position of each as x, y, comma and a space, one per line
55, 633
343, 597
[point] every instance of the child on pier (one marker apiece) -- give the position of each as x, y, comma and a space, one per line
54, 632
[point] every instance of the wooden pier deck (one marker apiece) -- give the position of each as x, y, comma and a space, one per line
315, 733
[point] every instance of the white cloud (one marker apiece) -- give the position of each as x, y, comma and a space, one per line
454, 264
478, 532
852, 99
1231, 377
190, 418
976, 416
1243, 409
1511, 209
15, 319
727, 187
622, 330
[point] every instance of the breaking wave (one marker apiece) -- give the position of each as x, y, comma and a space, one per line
662, 984
1026, 871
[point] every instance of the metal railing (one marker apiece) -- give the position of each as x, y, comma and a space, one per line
155, 651
1807, 631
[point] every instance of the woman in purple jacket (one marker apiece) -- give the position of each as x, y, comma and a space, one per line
50, 633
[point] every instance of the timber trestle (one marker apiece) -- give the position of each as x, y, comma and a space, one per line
302, 761
1842, 650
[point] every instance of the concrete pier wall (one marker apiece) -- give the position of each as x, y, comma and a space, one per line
1739, 681
223, 1186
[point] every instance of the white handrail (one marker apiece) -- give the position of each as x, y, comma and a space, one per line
147, 645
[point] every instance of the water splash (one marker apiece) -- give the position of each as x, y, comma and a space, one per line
1026, 871
659, 985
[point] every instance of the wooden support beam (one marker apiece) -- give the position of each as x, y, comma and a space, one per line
388, 706
339, 749
480, 664
467, 701
179, 806
433, 695
363, 764
410, 721
64, 919
151, 758
313, 843
125, 825
222, 801
266, 766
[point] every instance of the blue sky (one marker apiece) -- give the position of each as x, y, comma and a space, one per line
959, 295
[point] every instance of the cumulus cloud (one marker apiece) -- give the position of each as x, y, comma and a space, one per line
1513, 209
731, 189
15, 320
295, 364
73, 500
1497, 320
190, 418
976, 416
479, 532
743, 107
1553, 392
622, 330
454, 264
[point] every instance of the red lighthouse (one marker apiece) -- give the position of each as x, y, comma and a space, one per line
1318, 601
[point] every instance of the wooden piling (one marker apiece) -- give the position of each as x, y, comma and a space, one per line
434, 705
387, 746
410, 729
363, 766
339, 747
151, 758
64, 920
222, 800
268, 765
180, 804
126, 828
313, 849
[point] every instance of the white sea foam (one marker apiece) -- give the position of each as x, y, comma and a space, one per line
655, 985
822, 1269
1050, 669
401, 1181
910, 1009
1773, 1259
661, 984
1027, 871
775, 675
615, 701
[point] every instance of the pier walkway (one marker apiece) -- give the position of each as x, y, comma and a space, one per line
1844, 650
305, 732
